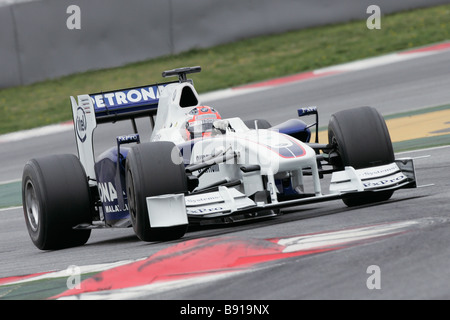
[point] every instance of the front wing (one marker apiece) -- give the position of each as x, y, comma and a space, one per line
226, 203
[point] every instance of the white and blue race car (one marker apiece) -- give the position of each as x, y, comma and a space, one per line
200, 168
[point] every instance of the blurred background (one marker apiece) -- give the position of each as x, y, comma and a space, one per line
49, 50
36, 43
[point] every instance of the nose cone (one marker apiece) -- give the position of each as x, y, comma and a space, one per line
276, 152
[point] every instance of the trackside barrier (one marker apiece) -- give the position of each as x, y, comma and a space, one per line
45, 39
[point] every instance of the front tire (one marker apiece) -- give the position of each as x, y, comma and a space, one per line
56, 198
153, 169
361, 139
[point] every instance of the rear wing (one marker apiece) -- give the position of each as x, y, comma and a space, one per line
88, 110
128, 103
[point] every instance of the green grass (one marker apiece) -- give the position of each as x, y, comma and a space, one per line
10, 194
231, 64
38, 289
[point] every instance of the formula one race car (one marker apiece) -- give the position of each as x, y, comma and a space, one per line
200, 168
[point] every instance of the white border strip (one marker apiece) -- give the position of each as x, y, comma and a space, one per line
10, 208
37, 132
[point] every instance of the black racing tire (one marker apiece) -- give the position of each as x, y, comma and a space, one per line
153, 169
361, 139
262, 124
56, 198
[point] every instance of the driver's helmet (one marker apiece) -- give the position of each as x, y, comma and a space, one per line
200, 122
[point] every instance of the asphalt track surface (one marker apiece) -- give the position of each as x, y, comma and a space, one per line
412, 264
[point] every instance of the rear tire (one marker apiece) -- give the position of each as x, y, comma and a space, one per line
151, 171
56, 198
362, 140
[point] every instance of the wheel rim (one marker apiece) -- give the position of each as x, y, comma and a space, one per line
32, 206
